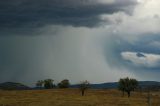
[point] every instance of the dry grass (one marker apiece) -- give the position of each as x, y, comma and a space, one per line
72, 97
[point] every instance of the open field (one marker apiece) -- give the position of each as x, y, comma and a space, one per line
72, 97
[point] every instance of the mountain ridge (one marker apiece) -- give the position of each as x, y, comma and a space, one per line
13, 86
113, 85
107, 85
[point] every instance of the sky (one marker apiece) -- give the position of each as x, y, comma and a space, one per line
95, 40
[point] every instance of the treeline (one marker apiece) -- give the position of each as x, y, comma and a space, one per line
49, 84
127, 85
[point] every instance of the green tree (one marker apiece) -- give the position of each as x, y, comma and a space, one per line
48, 83
83, 86
40, 83
127, 85
64, 84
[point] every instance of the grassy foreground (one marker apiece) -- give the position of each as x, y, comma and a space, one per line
72, 97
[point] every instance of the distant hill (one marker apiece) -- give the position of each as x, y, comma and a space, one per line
113, 85
149, 83
100, 86
110, 85
13, 86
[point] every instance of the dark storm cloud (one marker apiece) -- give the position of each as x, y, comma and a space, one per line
36, 13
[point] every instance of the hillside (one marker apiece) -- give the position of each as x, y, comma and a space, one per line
13, 86
110, 85
113, 85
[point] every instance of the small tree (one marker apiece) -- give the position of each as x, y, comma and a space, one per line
83, 86
48, 83
127, 85
40, 83
64, 84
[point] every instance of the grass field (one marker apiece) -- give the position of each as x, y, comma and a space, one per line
72, 97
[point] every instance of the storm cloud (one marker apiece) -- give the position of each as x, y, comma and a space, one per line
96, 40
31, 14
